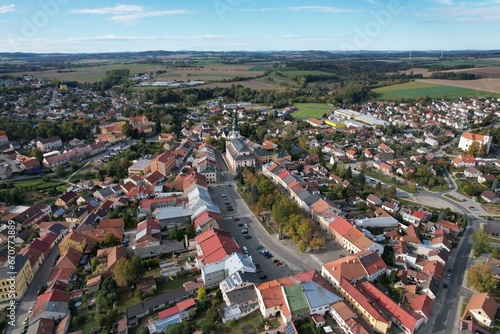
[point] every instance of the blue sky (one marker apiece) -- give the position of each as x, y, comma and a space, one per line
253, 25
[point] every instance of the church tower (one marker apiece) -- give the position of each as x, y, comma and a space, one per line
236, 128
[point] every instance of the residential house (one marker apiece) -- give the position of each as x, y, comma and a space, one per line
482, 308
66, 199
23, 274
74, 240
374, 200
472, 172
490, 197
48, 144
407, 320
50, 305
347, 319
5, 172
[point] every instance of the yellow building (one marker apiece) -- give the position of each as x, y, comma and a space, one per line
335, 124
14, 283
74, 240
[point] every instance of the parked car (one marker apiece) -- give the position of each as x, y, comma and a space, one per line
246, 226
277, 264
262, 252
31, 309
258, 247
247, 236
268, 255
240, 224
236, 219
229, 208
244, 231
262, 276
25, 321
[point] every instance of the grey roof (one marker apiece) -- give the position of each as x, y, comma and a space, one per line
242, 294
317, 295
289, 179
303, 194
240, 145
310, 200
57, 228
106, 192
20, 262
149, 304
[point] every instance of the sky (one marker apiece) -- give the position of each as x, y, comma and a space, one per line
70, 26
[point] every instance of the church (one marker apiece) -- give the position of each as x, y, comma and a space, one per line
468, 138
238, 154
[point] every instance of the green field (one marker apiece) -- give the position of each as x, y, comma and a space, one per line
306, 110
415, 89
301, 73
277, 80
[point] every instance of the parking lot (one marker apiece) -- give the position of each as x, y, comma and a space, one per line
242, 226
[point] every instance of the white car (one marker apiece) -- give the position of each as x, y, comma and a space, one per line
31, 309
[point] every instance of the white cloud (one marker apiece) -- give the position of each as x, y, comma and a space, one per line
322, 9
129, 14
477, 12
7, 8
444, 2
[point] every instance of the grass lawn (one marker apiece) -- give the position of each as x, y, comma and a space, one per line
441, 188
252, 323
415, 89
452, 198
77, 177
307, 327
387, 180
172, 285
306, 110
465, 301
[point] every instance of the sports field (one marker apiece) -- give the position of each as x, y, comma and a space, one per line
418, 88
306, 110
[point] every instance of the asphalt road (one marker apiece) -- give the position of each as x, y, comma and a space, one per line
29, 298
259, 234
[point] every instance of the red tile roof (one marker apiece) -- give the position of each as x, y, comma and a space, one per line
405, 316
362, 300
216, 244
341, 226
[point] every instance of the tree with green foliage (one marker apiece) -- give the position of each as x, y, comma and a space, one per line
123, 272
495, 253
110, 239
473, 149
480, 276
391, 192
202, 293
94, 263
184, 327
37, 154
175, 234
480, 242
137, 267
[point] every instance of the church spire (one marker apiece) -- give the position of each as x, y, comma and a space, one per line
236, 127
